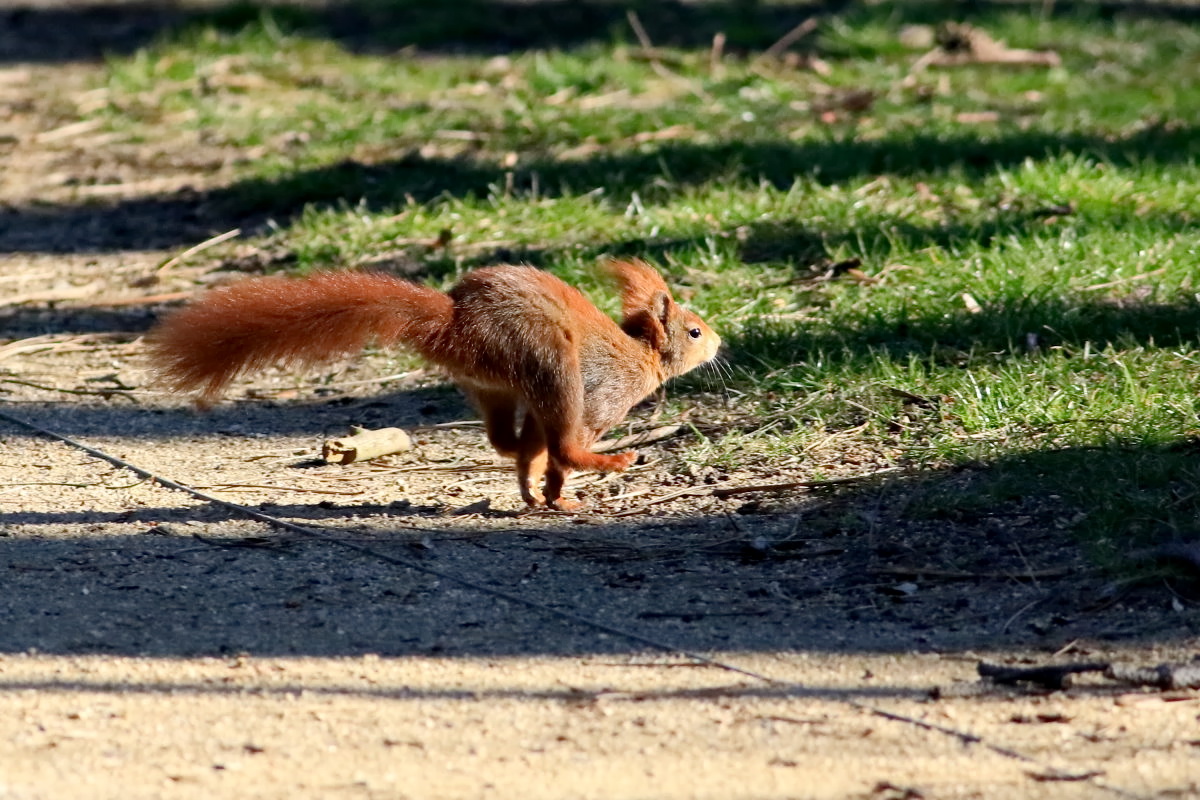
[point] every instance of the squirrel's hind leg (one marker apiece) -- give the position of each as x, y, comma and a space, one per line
532, 460
559, 408
556, 479
499, 412
535, 464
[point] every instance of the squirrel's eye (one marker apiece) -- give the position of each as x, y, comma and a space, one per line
694, 333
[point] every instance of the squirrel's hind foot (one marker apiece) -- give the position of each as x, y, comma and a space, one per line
535, 499
563, 504
532, 497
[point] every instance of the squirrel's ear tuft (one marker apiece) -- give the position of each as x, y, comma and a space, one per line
639, 284
660, 307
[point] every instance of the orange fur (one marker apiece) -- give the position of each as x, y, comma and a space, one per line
548, 371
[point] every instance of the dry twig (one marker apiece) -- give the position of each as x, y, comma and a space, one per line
1163, 676
1055, 677
88, 392
961, 44
1117, 282
199, 248
655, 57
638, 439
959, 575
788, 39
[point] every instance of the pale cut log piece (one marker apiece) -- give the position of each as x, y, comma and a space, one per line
363, 445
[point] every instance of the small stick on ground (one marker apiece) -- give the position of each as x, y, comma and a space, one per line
639, 439
960, 575
37, 344
655, 59
233, 487
1139, 277
960, 44
1164, 676
716, 54
788, 39
145, 300
1058, 775
1055, 677
731, 491
778, 487
106, 393
193, 250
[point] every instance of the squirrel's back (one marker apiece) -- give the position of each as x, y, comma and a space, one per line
522, 324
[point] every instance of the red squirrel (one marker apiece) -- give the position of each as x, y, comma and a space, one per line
519, 342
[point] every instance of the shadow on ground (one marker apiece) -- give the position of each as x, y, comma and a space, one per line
1000, 329
958, 559
566, 694
993, 334
163, 221
967, 558
86, 31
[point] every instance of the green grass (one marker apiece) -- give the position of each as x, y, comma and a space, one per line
1072, 336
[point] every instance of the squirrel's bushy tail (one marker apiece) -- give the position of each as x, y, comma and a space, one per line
302, 322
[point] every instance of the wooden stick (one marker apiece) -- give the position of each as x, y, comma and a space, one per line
640, 32
778, 487
1109, 284
716, 55
53, 341
395, 376
227, 487
57, 295
1051, 677
1164, 676
87, 392
965, 44
731, 491
69, 131
638, 439
363, 445
663, 71
957, 575
191, 251
788, 39
145, 300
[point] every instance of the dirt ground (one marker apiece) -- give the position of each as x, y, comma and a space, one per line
425, 636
